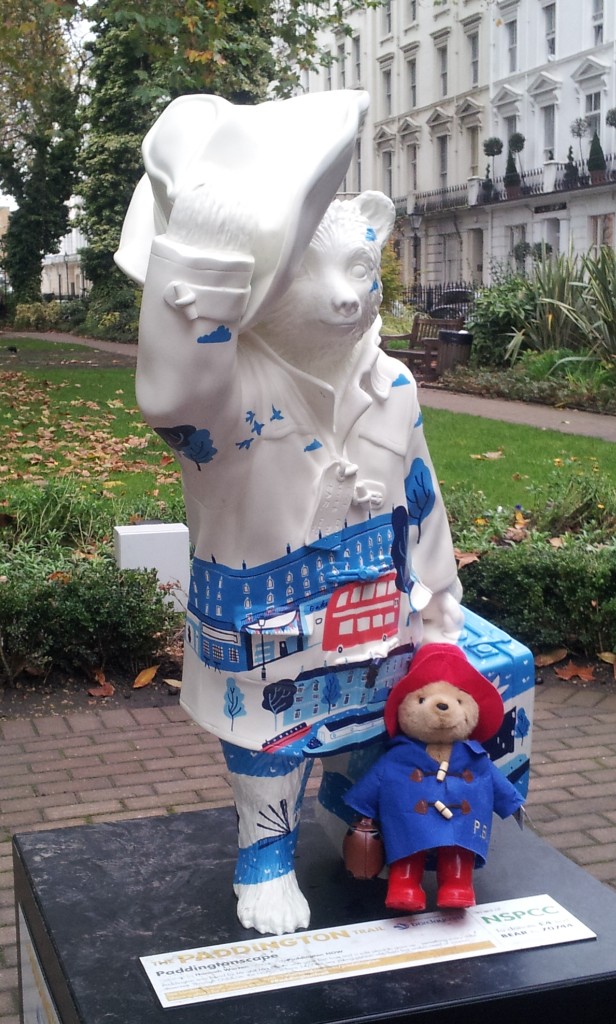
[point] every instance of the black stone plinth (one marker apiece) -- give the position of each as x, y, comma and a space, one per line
98, 897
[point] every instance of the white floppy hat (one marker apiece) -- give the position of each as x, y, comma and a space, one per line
286, 158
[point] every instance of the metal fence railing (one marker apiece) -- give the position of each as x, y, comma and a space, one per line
453, 299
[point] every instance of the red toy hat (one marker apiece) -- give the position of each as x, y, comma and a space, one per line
436, 662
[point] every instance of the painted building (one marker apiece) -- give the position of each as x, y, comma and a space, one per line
446, 76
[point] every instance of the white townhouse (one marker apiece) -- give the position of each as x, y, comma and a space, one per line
446, 76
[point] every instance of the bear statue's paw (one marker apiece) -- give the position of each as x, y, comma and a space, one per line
273, 907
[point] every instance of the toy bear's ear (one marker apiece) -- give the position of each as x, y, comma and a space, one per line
380, 213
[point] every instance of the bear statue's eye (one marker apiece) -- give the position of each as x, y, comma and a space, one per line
359, 271
421, 700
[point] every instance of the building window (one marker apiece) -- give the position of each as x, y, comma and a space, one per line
597, 22
511, 30
593, 112
386, 16
511, 126
473, 150
328, 74
411, 71
549, 13
442, 144
517, 236
601, 230
342, 66
412, 10
441, 54
356, 60
387, 163
386, 90
549, 134
411, 166
473, 44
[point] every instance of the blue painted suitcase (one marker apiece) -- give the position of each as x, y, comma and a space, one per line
510, 666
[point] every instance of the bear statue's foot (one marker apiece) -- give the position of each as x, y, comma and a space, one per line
273, 907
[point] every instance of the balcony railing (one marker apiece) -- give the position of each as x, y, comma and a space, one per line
552, 177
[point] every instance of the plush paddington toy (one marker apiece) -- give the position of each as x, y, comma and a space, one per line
435, 788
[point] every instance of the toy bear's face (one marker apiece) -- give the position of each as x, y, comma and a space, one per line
438, 713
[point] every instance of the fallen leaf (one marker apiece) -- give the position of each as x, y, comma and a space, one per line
608, 656
106, 689
550, 657
571, 671
176, 684
465, 557
59, 577
145, 677
515, 534
557, 542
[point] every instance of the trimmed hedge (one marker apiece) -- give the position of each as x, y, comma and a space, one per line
547, 597
78, 616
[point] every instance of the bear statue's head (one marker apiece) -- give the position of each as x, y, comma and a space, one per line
335, 296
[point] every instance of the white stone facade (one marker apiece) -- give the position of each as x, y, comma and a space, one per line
444, 77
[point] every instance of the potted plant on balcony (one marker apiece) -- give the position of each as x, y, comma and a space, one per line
610, 117
512, 180
492, 147
580, 128
487, 186
596, 161
571, 174
516, 145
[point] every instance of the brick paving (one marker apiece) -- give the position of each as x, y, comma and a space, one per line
61, 771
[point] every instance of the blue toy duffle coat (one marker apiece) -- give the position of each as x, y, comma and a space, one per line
401, 789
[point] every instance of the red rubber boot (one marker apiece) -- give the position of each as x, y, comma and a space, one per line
404, 891
454, 875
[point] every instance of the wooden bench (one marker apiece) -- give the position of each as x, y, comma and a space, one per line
420, 351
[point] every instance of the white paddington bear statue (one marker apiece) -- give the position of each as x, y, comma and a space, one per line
322, 552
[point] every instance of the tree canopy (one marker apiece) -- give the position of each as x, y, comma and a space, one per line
38, 134
139, 55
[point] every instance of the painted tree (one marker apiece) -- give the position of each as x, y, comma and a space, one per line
234, 701
420, 494
38, 134
278, 697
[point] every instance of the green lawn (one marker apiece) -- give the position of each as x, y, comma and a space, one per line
74, 419
506, 461
71, 418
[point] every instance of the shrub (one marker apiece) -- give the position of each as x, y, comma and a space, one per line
77, 616
498, 312
113, 310
547, 597
37, 316
556, 287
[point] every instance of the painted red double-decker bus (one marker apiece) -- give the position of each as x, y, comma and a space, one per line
360, 613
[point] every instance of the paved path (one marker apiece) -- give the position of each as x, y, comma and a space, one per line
566, 421
62, 771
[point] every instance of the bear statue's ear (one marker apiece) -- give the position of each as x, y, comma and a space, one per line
379, 211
